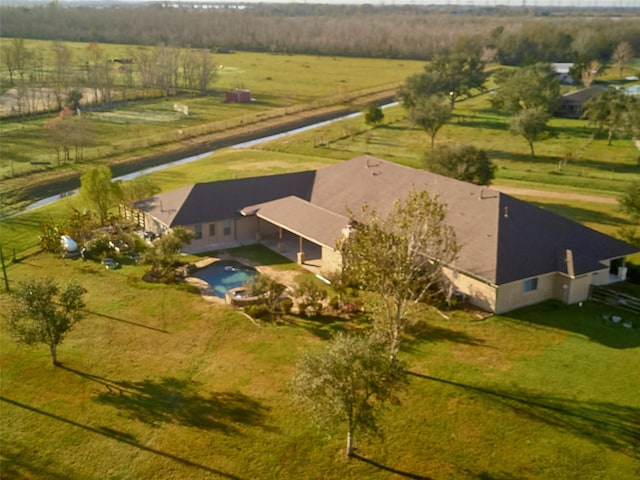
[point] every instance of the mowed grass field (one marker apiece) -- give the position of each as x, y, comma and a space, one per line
158, 383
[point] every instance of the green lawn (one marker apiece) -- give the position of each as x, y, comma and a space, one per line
158, 383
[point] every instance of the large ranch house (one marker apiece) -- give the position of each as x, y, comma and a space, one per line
512, 253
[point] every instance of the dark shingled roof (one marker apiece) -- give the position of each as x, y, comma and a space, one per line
206, 202
580, 96
502, 239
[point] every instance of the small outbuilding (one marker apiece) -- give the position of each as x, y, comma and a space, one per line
237, 96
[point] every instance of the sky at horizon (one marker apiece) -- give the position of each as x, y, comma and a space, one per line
510, 3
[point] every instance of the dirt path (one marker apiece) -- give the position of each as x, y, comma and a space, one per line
530, 192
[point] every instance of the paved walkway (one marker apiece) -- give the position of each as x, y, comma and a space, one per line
530, 192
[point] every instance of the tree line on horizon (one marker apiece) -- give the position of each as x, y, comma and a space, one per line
507, 36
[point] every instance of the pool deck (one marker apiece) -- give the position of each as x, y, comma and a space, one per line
286, 277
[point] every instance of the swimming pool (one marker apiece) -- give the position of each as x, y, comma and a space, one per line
225, 275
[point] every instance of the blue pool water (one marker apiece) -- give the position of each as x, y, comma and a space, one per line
225, 275
633, 90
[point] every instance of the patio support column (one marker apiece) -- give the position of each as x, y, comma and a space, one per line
300, 252
280, 244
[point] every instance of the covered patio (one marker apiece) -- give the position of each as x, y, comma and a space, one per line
305, 233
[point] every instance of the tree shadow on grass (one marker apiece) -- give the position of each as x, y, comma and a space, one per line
322, 326
118, 436
480, 122
591, 320
18, 462
581, 215
423, 331
172, 400
614, 426
110, 317
390, 469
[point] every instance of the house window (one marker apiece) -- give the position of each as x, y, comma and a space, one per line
531, 284
197, 231
212, 229
227, 228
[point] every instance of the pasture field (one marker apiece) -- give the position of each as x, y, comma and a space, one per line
591, 166
172, 386
277, 83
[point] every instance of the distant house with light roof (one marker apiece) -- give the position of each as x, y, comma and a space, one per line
512, 253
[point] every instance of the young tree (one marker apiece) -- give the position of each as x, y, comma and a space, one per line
590, 72
43, 313
16, 56
373, 114
614, 112
310, 297
529, 123
630, 204
430, 114
630, 201
74, 97
268, 289
164, 253
400, 258
622, 56
350, 382
63, 56
462, 162
98, 191
534, 86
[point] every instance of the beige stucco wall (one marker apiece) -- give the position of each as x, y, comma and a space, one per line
551, 286
512, 295
479, 293
241, 230
331, 260
579, 287
245, 229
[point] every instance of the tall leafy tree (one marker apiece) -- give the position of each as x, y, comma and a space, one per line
136, 189
529, 123
630, 204
349, 383
630, 201
400, 258
453, 74
535, 86
98, 191
63, 56
430, 114
44, 313
462, 162
622, 56
614, 112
